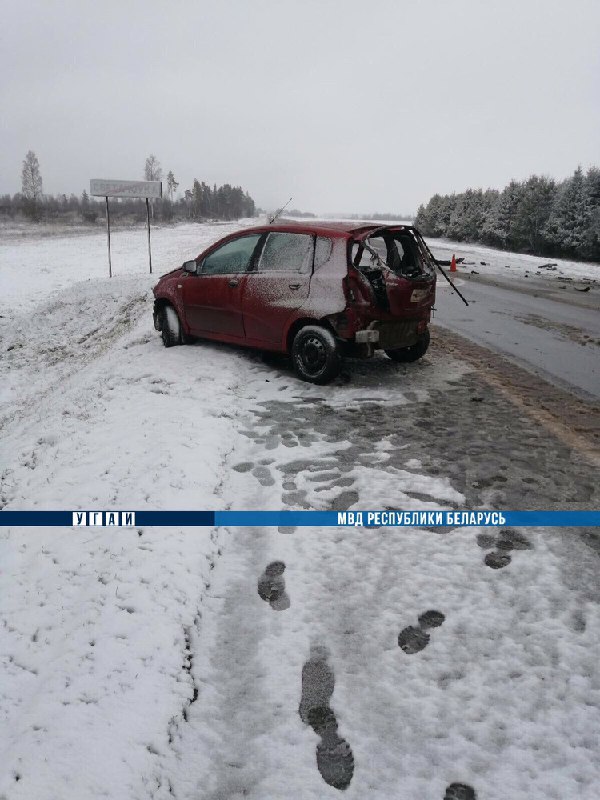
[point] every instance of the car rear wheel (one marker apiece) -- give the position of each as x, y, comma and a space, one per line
316, 355
413, 353
170, 328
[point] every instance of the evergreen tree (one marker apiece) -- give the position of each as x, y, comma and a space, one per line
500, 225
434, 218
172, 185
532, 213
570, 221
592, 185
471, 210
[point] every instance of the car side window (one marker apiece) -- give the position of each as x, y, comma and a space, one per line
322, 250
231, 257
287, 252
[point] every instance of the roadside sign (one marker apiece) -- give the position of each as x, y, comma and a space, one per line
100, 187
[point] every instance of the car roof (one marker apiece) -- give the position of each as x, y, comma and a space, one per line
331, 228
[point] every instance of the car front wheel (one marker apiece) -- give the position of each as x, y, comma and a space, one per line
170, 327
412, 353
316, 355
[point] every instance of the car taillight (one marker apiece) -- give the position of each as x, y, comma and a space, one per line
418, 295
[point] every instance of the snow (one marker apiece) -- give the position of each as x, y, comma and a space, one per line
500, 262
144, 664
33, 268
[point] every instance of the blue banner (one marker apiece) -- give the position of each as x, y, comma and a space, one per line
313, 519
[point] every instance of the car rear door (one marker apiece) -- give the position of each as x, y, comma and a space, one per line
212, 298
277, 286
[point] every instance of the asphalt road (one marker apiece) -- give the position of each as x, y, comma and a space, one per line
558, 340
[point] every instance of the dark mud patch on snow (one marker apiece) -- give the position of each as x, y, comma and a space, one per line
335, 760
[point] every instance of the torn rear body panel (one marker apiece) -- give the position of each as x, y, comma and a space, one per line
390, 289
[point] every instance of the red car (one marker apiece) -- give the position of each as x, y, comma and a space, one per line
317, 291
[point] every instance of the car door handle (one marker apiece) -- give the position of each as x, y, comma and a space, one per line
233, 283
294, 285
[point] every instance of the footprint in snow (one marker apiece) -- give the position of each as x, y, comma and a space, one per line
263, 475
460, 791
245, 466
271, 586
415, 638
505, 541
496, 560
335, 760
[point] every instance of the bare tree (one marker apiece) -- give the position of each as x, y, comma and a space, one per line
172, 185
31, 178
152, 170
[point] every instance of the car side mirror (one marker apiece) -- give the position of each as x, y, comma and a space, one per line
190, 266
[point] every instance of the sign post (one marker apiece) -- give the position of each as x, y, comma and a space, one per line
111, 188
149, 250
108, 232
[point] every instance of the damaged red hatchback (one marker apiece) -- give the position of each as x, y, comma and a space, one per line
317, 291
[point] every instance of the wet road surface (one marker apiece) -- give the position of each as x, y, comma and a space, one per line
556, 340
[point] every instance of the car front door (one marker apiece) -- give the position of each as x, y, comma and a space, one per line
277, 286
212, 298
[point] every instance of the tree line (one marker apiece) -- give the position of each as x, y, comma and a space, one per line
538, 216
201, 202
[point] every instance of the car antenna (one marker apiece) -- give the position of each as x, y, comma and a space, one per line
278, 212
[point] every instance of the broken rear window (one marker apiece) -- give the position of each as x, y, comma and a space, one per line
397, 250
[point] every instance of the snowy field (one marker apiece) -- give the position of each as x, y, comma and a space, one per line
144, 664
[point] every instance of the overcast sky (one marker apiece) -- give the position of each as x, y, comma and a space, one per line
346, 105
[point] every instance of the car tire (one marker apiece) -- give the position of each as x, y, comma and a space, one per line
316, 355
416, 351
170, 327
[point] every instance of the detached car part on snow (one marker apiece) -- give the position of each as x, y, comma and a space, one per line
316, 291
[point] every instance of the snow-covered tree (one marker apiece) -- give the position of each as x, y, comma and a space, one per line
571, 217
471, 211
152, 170
592, 185
500, 226
434, 218
532, 213
31, 177
31, 185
